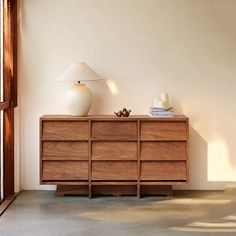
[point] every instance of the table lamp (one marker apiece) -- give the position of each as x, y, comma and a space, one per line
79, 96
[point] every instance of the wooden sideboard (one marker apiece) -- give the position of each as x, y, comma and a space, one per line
111, 155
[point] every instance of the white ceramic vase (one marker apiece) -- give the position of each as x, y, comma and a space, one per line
79, 99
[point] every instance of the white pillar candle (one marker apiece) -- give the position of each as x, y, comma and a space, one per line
161, 104
155, 103
165, 98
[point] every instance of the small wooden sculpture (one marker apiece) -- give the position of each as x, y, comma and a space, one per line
119, 113
124, 113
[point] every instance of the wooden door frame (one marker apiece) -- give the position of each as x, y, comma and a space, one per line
9, 92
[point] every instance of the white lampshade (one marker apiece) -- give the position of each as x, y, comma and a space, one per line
78, 72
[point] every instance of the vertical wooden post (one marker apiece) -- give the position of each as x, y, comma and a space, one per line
90, 161
139, 166
8, 150
10, 91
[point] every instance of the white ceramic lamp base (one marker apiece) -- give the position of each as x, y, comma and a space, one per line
79, 99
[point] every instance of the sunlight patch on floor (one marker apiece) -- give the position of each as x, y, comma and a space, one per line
196, 201
213, 225
207, 227
139, 214
204, 229
231, 217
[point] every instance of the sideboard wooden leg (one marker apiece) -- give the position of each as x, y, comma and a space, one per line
156, 190
59, 191
138, 191
65, 190
90, 191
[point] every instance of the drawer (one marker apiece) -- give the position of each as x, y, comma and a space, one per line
59, 150
114, 150
60, 130
170, 150
114, 170
61, 170
114, 130
164, 130
164, 170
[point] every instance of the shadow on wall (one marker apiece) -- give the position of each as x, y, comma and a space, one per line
198, 164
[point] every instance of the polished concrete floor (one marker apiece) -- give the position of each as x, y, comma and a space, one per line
41, 213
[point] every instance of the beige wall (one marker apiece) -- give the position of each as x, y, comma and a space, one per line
185, 47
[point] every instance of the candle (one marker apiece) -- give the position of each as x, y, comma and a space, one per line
165, 98
161, 104
155, 104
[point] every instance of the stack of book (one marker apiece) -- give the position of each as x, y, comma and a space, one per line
161, 112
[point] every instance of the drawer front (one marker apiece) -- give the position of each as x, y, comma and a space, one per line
61, 170
164, 130
60, 130
163, 150
163, 170
59, 150
114, 170
114, 150
114, 130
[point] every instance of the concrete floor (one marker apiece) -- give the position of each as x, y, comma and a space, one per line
41, 213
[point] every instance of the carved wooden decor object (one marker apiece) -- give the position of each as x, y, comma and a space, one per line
124, 113
113, 155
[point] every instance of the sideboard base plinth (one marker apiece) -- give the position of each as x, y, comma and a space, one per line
117, 190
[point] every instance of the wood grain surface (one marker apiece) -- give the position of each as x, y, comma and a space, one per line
162, 150
114, 150
114, 130
65, 170
163, 130
163, 170
65, 150
114, 170
61, 130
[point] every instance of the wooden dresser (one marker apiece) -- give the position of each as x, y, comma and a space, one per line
109, 155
